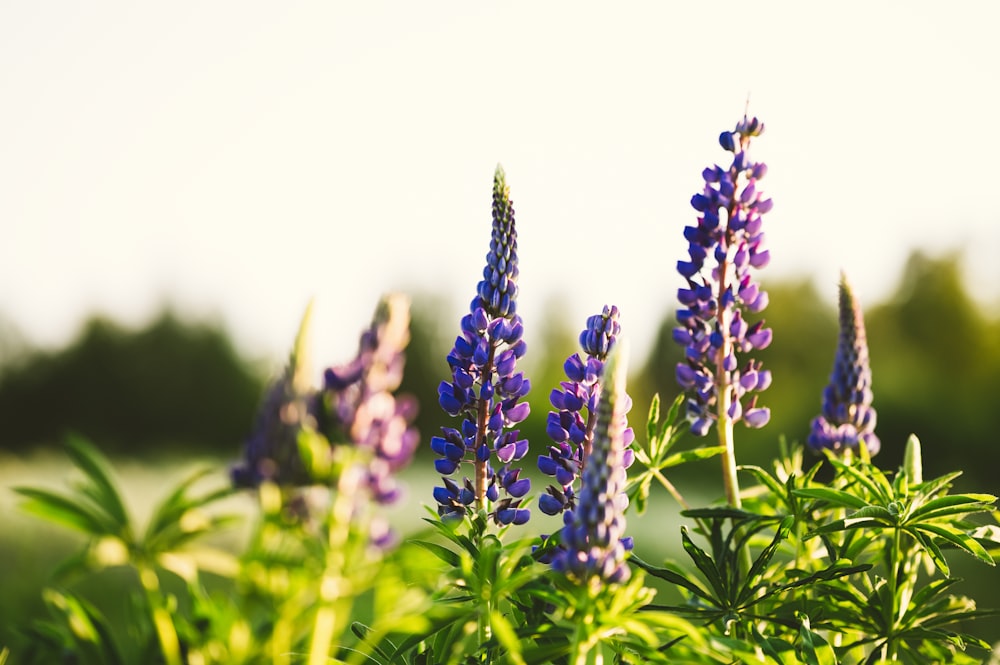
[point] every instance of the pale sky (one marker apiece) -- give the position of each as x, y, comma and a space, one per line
237, 158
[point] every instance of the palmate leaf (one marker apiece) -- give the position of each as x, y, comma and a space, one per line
834, 496
951, 505
961, 540
180, 518
708, 568
673, 577
449, 557
96, 509
868, 476
65, 511
172, 508
87, 628
932, 550
100, 488
759, 565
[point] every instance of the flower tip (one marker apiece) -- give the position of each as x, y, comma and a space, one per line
727, 142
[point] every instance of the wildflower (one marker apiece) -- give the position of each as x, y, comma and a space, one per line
724, 245
847, 419
592, 540
485, 389
271, 452
570, 428
361, 406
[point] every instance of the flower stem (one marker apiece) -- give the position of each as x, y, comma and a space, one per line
162, 621
482, 417
333, 586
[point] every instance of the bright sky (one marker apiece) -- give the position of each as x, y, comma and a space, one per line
237, 158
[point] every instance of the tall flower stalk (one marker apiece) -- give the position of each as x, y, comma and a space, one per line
358, 407
572, 425
847, 421
485, 390
594, 551
723, 246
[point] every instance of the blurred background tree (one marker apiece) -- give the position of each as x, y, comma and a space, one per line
172, 387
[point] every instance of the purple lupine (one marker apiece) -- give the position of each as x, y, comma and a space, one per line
570, 427
271, 452
847, 419
362, 409
724, 245
593, 547
486, 390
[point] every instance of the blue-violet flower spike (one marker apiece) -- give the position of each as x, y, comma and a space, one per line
485, 390
571, 426
593, 546
724, 245
848, 419
362, 407
271, 452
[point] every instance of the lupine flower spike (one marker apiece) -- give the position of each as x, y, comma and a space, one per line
593, 544
848, 419
726, 243
485, 390
571, 427
271, 452
359, 399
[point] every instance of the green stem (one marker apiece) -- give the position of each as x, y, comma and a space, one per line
724, 400
674, 492
482, 417
586, 645
162, 621
334, 586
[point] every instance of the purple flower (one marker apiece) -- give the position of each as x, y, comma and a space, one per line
485, 390
847, 419
722, 248
360, 404
571, 426
271, 451
593, 543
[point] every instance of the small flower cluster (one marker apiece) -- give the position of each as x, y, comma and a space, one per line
593, 543
572, 430
848, 419
359, 399
485, 390
712, 326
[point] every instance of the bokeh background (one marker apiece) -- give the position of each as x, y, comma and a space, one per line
178, 180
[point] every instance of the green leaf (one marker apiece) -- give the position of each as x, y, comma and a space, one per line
178, 518
707, 567
956, 504
97, 470
451, 558
815, 649
762, 560
871, 478
960, 540
836, 497
872, 512
692, 455
765, 478
932, 550
841, 525
673, 577
65, 511
719, 513
507, 637
653, 419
